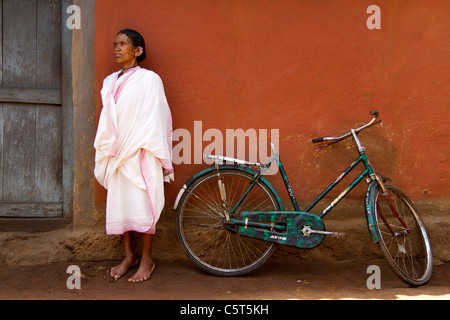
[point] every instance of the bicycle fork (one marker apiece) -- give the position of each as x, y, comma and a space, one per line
391, 206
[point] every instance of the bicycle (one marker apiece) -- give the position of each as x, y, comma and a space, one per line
230, 218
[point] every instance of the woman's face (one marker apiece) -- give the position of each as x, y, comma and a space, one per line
125, 52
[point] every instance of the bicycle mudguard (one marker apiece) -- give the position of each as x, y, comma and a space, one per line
371, 217
261, 225
223, 167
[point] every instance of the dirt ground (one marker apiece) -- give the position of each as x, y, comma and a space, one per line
283, 277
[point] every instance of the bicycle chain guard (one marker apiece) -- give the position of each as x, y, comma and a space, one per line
293, 223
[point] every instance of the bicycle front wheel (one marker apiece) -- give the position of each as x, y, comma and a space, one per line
207, 239
404, 240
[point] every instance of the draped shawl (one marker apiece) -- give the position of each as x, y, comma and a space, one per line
135, 123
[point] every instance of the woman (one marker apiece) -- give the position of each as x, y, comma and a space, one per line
133, 152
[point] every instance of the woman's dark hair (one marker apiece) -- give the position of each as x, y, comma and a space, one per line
137, 40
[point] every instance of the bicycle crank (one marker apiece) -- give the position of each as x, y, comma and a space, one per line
306, 230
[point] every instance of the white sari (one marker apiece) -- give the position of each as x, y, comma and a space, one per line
133, 150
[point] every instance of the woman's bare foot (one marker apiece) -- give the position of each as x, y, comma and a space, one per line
146, 268
123, 267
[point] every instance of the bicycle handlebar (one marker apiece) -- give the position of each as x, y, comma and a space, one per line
348, 134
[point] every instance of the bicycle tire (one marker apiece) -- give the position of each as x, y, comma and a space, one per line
213, 245
407, 250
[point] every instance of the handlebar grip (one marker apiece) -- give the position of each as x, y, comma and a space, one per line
316, 140
374, 113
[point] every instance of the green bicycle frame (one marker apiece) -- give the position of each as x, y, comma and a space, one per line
368, 171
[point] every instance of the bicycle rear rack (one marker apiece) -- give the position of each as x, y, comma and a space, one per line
222, 159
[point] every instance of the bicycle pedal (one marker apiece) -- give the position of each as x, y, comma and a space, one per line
339, 235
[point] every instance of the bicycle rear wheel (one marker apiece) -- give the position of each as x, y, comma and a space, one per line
207, 239
404, 240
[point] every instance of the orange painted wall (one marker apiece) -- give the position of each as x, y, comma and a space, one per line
308, 68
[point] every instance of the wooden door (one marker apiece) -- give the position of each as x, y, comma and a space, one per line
30, 109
